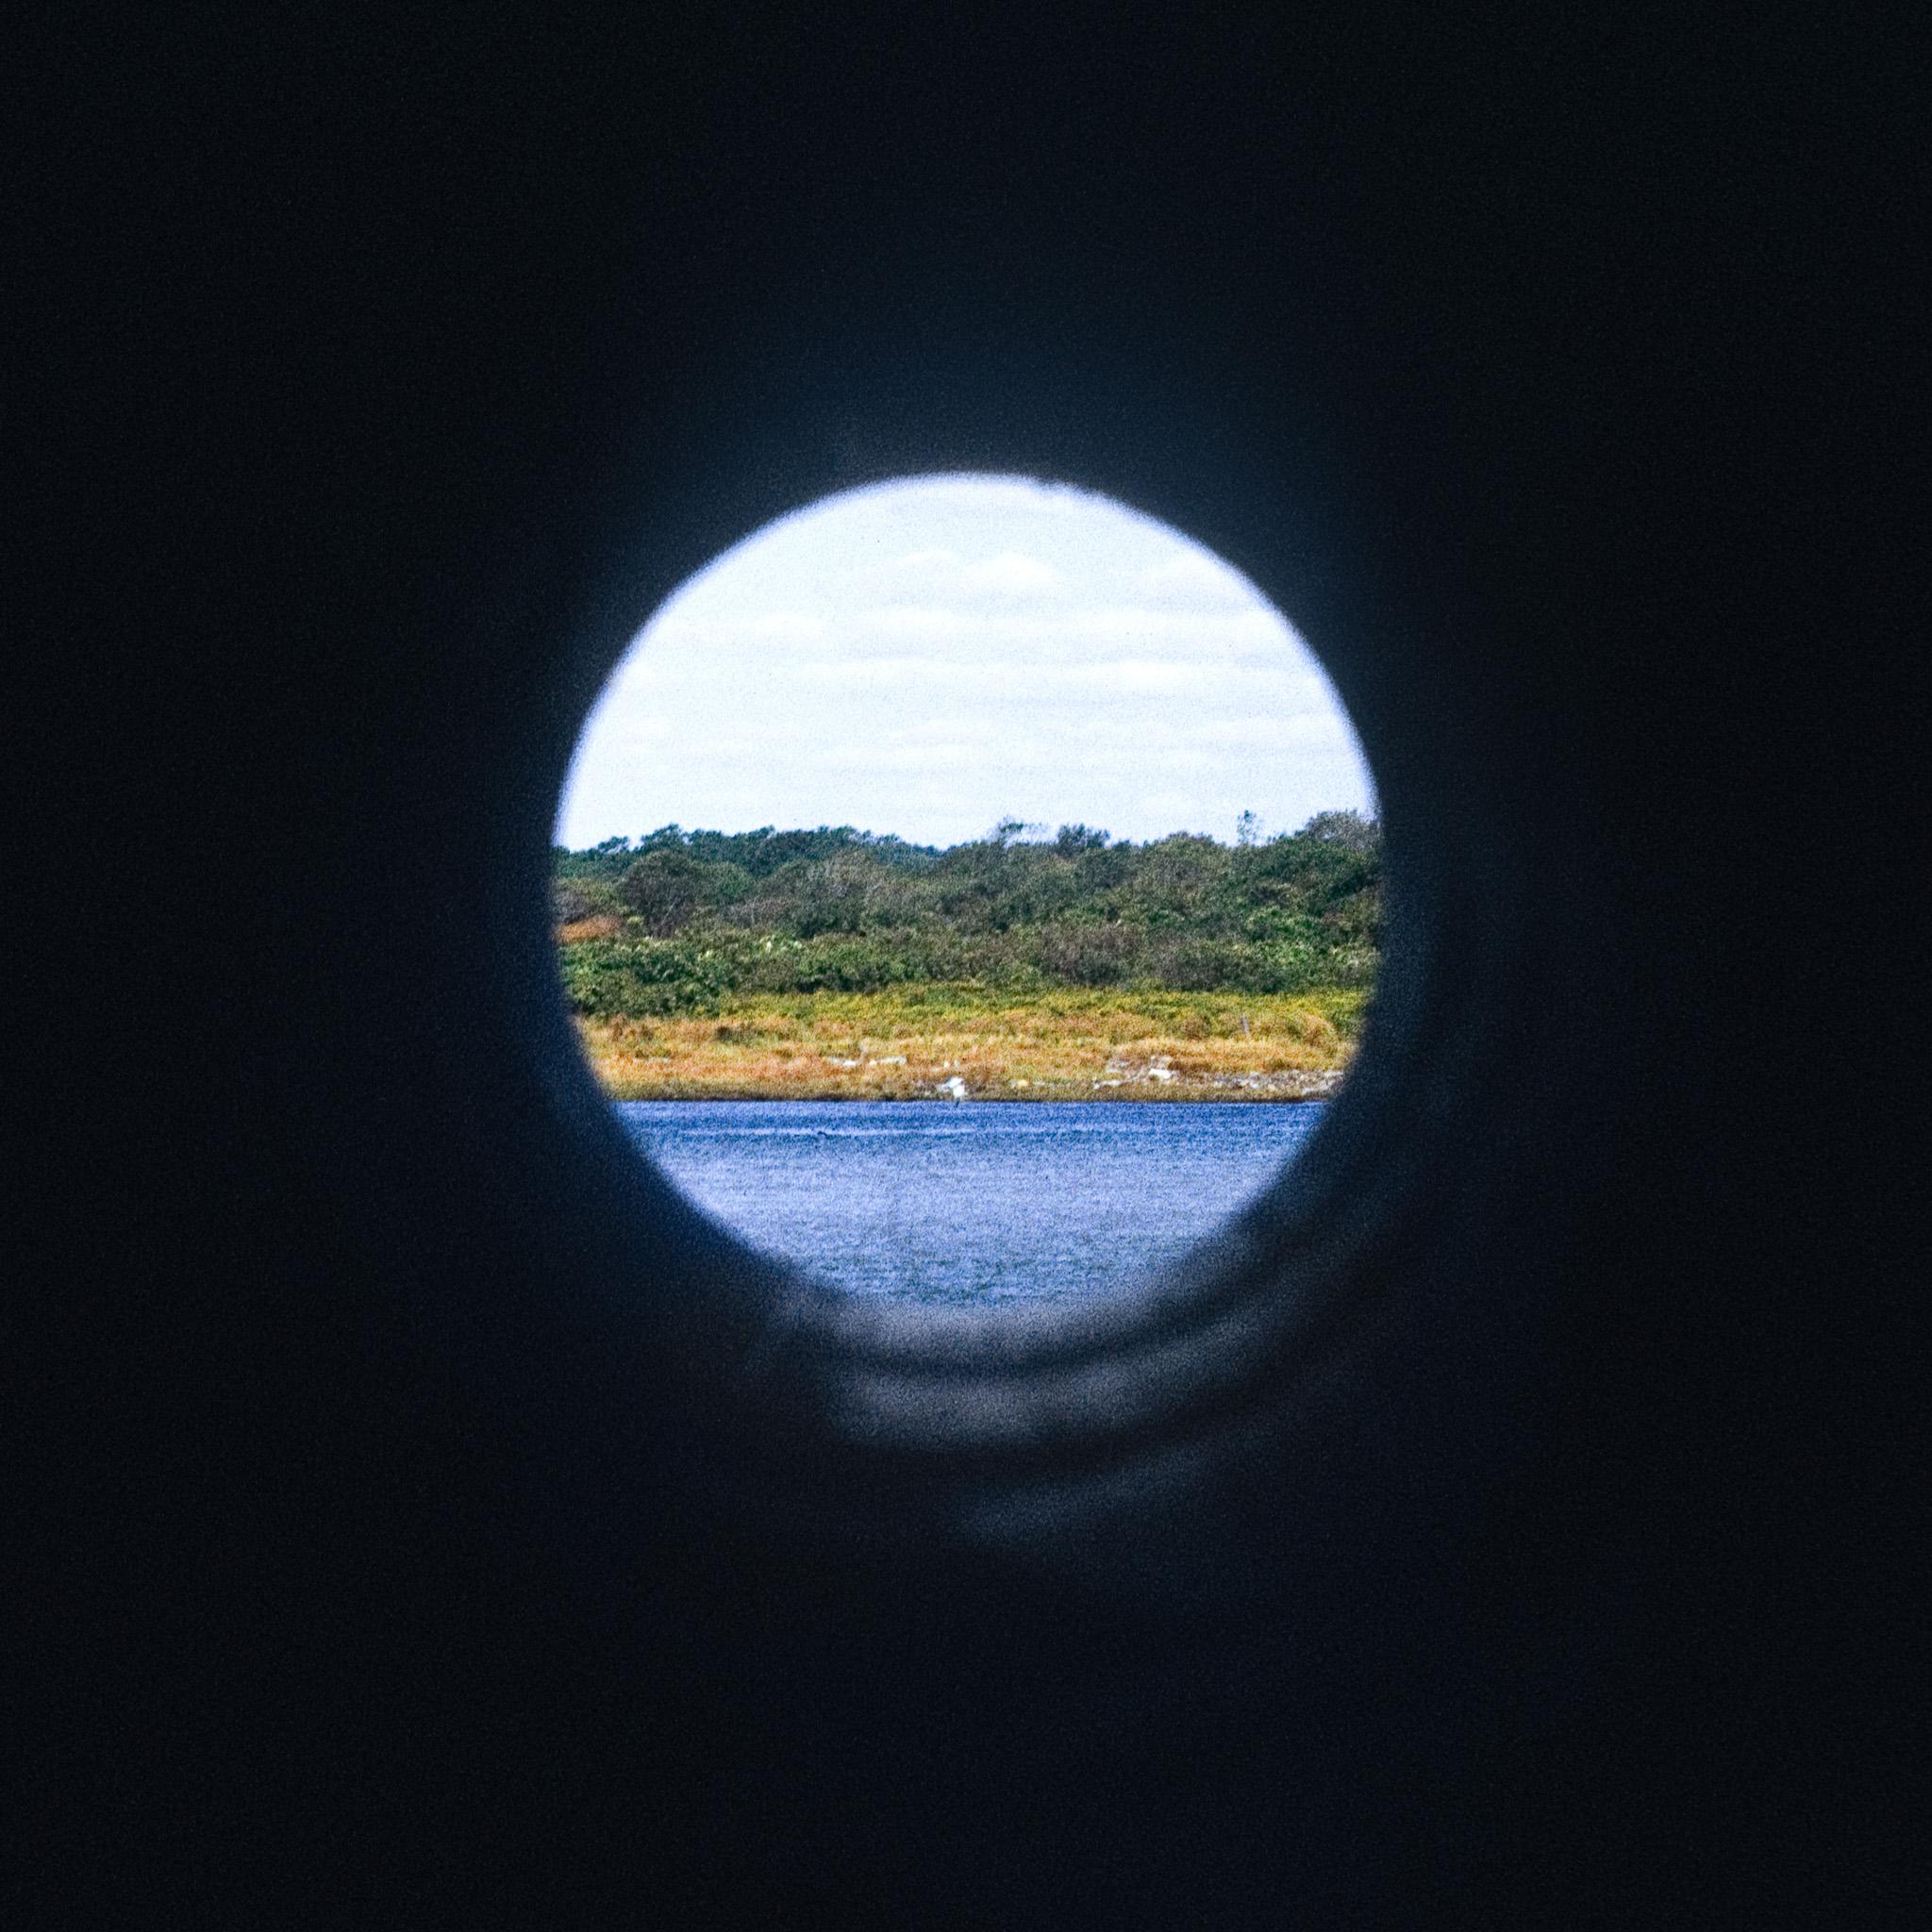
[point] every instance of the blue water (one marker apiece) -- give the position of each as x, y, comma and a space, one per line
969, 1203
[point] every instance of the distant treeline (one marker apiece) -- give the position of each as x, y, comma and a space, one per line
677, 920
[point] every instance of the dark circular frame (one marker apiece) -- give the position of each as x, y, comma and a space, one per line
432, 1504
1117, 1428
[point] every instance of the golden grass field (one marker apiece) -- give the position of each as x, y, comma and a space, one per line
908, 1042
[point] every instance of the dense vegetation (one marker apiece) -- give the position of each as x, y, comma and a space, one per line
681, 922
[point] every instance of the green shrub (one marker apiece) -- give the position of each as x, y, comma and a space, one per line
839, 910
641, 978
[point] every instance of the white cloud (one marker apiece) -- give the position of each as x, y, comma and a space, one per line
946, 571
1195, 580
1174, 809
1013, 573
915, 622
786, 627
1155, 675
1300, 731
932, 561
1229, 687
862, 755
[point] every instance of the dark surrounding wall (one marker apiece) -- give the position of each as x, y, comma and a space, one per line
439, 1519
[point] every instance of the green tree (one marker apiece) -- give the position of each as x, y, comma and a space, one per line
1350, 830
665, 887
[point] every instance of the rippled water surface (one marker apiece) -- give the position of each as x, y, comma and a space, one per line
979, 1202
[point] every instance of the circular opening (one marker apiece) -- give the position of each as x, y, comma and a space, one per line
970, 890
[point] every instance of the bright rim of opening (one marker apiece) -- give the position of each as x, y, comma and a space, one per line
961, 789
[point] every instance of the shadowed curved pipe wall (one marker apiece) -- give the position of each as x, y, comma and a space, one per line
464, 1525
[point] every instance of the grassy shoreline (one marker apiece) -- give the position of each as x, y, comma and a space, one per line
938, 1040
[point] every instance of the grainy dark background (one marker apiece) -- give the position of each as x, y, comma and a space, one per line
420, 1541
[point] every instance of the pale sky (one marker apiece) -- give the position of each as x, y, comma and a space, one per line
930, 657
